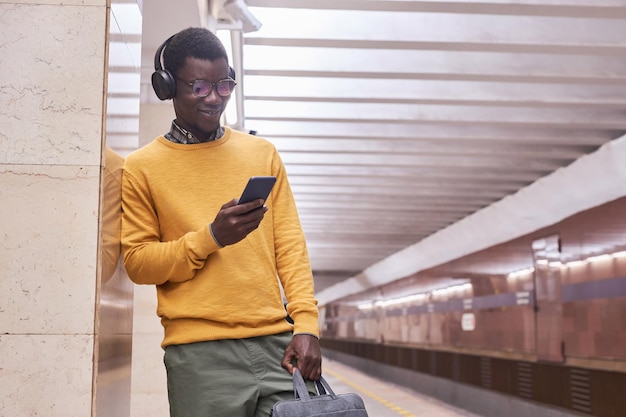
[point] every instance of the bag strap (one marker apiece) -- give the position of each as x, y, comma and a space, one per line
299, 387
323, 387
300, 390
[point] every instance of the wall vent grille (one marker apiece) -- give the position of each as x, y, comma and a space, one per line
524, 380
580, 389
456, 367
588, 392
485, 372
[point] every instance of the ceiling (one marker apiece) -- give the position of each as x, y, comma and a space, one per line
397, 119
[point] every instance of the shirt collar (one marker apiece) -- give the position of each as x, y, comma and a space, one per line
178, 134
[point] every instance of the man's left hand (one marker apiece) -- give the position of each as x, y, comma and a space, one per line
304, 350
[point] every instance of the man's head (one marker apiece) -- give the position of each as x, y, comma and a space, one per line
192, 42
199, 80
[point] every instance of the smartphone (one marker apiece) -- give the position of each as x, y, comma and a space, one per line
257, 187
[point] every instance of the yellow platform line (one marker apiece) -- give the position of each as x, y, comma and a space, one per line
370, 394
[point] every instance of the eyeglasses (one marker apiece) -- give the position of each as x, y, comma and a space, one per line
202, 88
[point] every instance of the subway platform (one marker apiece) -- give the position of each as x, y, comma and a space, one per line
384, 399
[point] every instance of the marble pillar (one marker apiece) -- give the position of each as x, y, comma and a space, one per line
59, 281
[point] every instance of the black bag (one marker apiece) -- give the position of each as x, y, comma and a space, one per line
327, 403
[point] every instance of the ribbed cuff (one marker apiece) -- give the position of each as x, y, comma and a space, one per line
213, 236
308, 334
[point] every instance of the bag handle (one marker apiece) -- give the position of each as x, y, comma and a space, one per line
300, 390
299, 387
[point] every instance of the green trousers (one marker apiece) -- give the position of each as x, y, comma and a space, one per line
228, 378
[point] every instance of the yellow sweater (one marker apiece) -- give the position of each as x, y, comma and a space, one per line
170, 194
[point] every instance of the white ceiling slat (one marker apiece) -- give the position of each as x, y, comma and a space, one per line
469, 46
376, 208
123, 107
407, 174
565, 8
412, 193
127, 125
395, 181
398, 160
443, 101
371, 145
535, 134
610, 125
123, 83
421, 113
617, 80
272, 86
481, 135
447, 65
317, 226
347, 223
408, 202
438, 27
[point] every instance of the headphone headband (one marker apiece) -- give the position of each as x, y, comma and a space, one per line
159, 54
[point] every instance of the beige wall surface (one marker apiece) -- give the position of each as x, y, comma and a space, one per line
52, 95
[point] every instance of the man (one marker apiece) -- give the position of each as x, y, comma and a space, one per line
218, 266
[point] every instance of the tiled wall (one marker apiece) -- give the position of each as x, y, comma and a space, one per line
584, 326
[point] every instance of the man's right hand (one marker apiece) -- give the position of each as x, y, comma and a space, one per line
234, 222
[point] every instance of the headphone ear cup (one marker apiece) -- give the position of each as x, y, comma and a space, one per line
163, 84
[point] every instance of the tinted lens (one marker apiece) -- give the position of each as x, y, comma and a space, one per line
225, 87
201, 88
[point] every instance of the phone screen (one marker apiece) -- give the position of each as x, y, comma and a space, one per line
257, 187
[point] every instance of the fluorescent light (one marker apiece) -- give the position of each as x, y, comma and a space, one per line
597, 258
521, 272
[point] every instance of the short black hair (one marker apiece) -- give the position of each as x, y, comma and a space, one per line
193, 42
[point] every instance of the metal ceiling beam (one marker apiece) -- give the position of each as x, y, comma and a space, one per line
608, 9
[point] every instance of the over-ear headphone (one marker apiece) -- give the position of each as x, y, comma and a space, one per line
163, 82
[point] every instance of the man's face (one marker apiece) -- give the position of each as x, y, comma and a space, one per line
200, 115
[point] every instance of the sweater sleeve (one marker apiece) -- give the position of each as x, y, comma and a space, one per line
147, 259
292, 260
